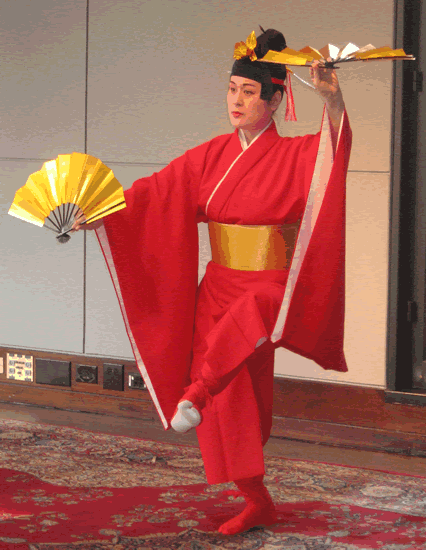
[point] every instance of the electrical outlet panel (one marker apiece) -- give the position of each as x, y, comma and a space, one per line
20, 367
136, 381
52, 372
113, 377
87, 374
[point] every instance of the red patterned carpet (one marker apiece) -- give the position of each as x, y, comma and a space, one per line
63, 489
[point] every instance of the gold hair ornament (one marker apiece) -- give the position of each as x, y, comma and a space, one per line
246, 49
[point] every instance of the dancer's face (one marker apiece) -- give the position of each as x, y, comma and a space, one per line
246, 110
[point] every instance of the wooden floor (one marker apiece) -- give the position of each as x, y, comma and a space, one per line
154, 431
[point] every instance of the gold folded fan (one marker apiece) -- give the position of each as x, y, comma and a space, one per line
348, 53
65, 186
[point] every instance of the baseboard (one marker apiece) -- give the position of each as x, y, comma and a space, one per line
351, 437
346, 405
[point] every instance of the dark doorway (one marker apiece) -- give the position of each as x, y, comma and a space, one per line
406, 350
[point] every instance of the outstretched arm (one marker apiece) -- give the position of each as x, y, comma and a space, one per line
327, 86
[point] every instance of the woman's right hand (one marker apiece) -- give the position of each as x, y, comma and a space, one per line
80, 217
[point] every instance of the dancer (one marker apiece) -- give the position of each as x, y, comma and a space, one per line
276, 213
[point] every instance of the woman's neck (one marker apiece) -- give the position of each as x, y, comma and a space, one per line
251, 133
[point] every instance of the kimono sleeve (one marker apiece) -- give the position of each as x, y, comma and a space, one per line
311, 319
151, 250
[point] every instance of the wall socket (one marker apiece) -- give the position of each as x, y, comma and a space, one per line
53, 372
136, 381
113, 377
87, 374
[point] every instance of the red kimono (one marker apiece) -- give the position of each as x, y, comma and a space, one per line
178, 329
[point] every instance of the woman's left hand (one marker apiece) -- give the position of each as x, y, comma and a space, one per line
325, 80
327, 86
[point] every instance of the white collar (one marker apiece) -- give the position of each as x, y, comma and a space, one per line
243, 140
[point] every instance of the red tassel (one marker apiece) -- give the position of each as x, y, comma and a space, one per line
290, 112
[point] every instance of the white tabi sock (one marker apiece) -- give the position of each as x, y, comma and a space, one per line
186, 417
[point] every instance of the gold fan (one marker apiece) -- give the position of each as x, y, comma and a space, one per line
348, 53
64, 186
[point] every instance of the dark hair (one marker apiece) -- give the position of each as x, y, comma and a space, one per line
275, 88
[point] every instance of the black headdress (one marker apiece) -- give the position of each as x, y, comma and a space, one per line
263, 71
270, 75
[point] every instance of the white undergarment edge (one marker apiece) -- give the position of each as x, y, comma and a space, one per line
245, 147
103, 241
320, 178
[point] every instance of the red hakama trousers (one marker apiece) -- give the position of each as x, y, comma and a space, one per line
236, 311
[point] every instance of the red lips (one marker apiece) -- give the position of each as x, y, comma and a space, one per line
236, 114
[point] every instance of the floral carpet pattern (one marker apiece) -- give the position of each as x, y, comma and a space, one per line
65, 488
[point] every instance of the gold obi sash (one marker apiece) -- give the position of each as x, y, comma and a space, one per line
253, 247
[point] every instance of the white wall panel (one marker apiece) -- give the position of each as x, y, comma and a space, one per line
41, 281
205, 253
366, 289
158, 73
157, 80
42, 67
